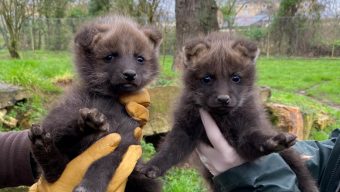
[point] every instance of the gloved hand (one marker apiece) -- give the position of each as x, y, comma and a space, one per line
135, 105
221, 156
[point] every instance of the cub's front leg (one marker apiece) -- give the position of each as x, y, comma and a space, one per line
178, 145
51, 161
258, 143
46, 141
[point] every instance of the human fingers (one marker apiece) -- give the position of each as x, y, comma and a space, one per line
102, 147
205, 153
126, 166
213, 132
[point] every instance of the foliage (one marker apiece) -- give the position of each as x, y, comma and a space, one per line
98, 7
77, 12
295, 18
256, 33
177, 179
167, 76
183, 179
12, 15
51, 8
148, 150
26, 112
229, 10
148, 11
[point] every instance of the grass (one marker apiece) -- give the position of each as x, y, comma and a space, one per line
177, 179
35, 70
311, 84
317, 78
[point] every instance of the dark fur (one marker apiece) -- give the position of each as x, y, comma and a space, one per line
91, 108
241, 119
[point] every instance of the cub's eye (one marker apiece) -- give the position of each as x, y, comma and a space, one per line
207, 79
236, 78
140, 59
109, 58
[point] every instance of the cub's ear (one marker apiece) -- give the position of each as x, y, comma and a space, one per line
154, 35
247, 49
86, 35
194, 49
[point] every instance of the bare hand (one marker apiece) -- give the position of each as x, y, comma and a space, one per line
221, 156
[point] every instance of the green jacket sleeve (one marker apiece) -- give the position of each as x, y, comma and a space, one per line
271, 173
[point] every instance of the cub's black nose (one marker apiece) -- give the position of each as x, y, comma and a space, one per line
225, 99
129, 75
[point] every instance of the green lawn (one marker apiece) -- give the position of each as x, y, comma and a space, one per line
36, 70
311, 84
317, 78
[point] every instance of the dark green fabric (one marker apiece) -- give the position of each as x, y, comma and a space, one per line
260, 175
271, 173
330, 179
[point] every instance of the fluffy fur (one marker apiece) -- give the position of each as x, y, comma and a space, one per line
113, 56
220, 77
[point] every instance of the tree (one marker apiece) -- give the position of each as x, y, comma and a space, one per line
230, 9
13, 14
60, 10
193, 18
97, 7
294, 26
146, 10
54, 11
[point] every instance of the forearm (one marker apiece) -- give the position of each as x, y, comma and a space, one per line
15, 159
271, 173
268, 173
176, 147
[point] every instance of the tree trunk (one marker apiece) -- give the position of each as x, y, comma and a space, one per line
193, 18
13, 49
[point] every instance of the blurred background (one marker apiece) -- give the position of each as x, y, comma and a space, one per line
298, 70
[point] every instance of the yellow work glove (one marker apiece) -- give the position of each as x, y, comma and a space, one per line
135, 105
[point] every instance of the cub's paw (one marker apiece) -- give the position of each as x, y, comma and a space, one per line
87, 186
41, 140
150, 171
278, 143
92, 120
81, 189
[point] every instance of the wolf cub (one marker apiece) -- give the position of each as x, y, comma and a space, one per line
113, 56
219, 76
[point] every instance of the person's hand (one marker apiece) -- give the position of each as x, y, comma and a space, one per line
221, 156
135, 105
